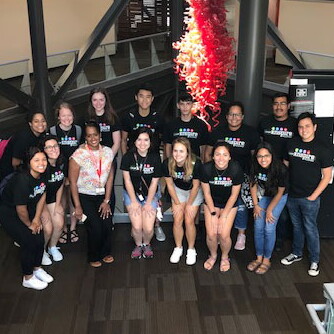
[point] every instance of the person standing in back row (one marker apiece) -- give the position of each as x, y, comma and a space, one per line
143, 115
310, 170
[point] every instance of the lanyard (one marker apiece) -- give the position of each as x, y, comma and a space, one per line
140, 168
98, 164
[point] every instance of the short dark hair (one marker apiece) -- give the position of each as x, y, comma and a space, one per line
185, 97
307, 115
92, 124
222, 144
145, 86
31, 115
237, 104
277, 95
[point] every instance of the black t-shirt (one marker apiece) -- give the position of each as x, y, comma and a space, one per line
282, 180
68, 141
23, 189
55, 178
141, 168
132, 121
107, 129
221, 181
18, 148
243, 141
178, 175
277, 133
306, 159
195, 130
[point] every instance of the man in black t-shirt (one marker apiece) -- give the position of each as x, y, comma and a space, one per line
244, 140
310, 170
188, 126
143, 116
278, 128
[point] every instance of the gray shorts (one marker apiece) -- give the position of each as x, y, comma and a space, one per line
183, 196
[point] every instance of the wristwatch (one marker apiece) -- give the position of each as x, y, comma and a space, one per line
213, 213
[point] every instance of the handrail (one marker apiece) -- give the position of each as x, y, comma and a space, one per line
316, 53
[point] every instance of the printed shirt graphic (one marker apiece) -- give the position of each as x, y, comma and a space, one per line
88, 179
221, 182
107, 130
195, 130
277, 133
306, 159
55, 178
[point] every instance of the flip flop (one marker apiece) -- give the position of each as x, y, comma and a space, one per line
225, 265
209, 263
252, 266
108, 259
262, 269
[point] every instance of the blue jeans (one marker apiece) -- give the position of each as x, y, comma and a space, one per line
265, 233
241, 219
303, 215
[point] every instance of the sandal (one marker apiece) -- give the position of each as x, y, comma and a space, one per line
262, 269
252, 266
209, 263
95, 264
63, 237
225, 265
74, 237
108, 259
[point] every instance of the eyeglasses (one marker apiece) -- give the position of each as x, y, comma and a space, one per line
280, 103
265, 156
235, 115
50, 147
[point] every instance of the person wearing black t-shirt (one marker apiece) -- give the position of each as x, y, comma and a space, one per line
53, 213
141, 173
310, 169
143, 116
277, 129
221, 183
269, 183
244, 139
188, 126
181, 171
69, 138
15, 153
22, 203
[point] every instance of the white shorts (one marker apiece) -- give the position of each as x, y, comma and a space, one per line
183, 196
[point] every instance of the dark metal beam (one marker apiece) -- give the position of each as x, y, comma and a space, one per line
42, 90
288, 52
251, 57
15, 95
86, 52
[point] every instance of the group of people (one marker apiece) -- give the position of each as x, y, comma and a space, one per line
232, 170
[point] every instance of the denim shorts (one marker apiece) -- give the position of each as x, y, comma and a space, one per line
127, 200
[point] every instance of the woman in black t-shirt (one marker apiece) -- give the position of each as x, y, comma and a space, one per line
221, 183
181, 172
69, 138
22, 203
141, 173
53, 213
269, 181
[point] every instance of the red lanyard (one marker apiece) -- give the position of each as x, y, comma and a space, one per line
97, 164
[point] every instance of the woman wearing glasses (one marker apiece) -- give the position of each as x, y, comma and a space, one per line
269, 180
53, 213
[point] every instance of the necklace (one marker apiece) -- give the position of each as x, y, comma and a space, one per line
221, 174
65, 132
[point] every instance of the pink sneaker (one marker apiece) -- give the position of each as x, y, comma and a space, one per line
136, 253
240, 244
147, 251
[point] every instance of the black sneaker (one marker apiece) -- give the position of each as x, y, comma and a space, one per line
291, 258
314, 269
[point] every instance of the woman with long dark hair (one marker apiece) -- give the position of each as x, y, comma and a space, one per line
90, 176
53, 213
181, 171
221, 182
22, 202
269, 181
141, 172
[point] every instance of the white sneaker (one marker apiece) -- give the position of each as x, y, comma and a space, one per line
240, 244
43, 276
176, 255
159, 233
314, 269
46, 261
34, 283
55, 253
191, 256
